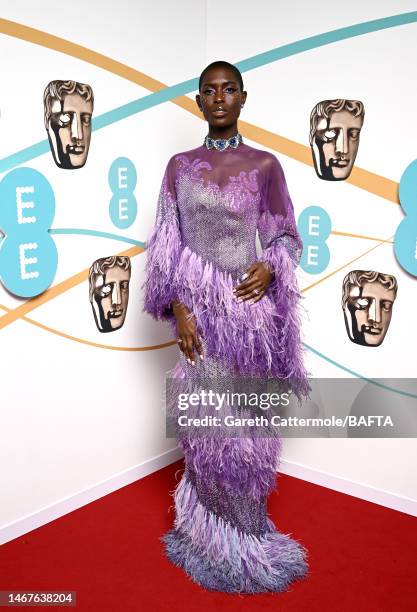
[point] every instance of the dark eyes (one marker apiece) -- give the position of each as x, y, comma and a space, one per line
354, 134
228, 89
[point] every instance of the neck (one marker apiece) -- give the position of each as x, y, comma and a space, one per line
219, 132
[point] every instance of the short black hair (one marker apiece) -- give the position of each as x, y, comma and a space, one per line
221, 64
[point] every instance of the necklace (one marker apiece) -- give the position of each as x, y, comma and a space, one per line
223, 143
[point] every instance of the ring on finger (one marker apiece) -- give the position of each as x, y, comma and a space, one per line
257, 291
179, 340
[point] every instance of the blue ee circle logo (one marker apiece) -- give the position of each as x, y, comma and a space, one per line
122, 180
314, 225
405, 239
28, 254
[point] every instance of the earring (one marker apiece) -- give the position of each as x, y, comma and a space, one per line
242, 105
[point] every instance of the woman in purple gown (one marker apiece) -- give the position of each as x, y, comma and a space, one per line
233, 313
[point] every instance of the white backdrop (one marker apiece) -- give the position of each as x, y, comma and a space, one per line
77, 421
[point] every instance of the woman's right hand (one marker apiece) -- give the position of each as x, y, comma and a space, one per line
187, 333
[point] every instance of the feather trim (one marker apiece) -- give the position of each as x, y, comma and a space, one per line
219, 557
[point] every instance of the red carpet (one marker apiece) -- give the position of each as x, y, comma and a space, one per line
362, 556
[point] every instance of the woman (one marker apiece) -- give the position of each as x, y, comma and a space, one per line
233, 313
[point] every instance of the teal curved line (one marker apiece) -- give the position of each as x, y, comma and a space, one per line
357, 375
185, 87
88, 232
169, 93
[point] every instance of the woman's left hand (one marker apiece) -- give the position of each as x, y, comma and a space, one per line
254, 286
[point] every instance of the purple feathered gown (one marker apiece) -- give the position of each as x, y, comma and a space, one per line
210, 207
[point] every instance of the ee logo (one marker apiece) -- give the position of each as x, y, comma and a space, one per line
405, 239
314, 225
122, 180
28, 254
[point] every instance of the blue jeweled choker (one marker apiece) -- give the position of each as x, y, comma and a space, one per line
223, 143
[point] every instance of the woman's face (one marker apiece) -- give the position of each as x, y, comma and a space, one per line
220, 97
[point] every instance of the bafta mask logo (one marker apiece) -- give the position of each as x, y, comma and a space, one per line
68, 107
335, 127
367, 302
109, 291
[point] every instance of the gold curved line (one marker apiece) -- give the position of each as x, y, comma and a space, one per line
364, 179
43, 39
369, 181
88, 342
54, 291
336, 233
344, 266
20, 312
172, 342
96, 344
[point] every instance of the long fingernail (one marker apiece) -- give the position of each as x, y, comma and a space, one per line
245, 276
201, 357
193, 362
239, 300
